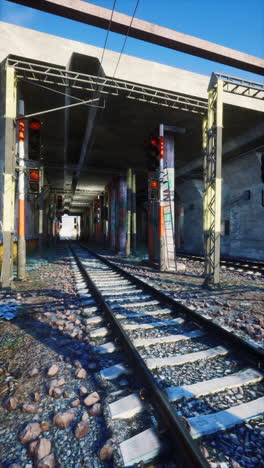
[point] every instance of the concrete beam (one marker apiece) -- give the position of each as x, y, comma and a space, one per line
98, 16
231, 145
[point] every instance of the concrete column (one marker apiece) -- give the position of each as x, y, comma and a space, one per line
8, 103
21, 241
168, 203
134, 215
129, 210
41, 207
122, 215
153, 225
113, 217
102, 218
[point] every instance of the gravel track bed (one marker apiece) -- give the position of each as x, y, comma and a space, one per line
158, 332
181, 347
237, 304
220, 401
241, 447
146, 319
197, 372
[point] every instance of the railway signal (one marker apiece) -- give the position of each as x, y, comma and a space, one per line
153, 189
153, 154
34, 138
59, 202
34, 180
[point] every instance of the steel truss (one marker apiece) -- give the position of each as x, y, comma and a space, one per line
212, 147
60, 77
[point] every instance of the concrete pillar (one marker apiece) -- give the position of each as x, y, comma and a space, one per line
134, 215
41, 207
168, 203
129, 210
113, 216
122, 214
8, 104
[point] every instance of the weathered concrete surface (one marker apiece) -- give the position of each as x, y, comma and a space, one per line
36, 45
120, 23
245, 216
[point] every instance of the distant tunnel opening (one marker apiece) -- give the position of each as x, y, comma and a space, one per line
70, 227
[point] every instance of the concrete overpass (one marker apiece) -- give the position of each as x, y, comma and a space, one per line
84, 147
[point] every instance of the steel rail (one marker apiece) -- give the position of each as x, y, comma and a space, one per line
185, 449
249, 352
229, 261
105, 85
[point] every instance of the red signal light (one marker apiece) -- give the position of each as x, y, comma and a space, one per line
154, 141
34, 124
34, 175
59, 202
154, 184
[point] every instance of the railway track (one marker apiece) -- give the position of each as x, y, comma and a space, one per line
204, 383
237, 264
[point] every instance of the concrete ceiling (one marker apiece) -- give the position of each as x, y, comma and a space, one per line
118, 135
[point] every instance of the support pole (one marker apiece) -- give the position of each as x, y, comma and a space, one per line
134, 215
122, 185
113, 215
7, 142
21, 244
161, 201
206, 189
213, 185
128, 218
41, 207
168, 201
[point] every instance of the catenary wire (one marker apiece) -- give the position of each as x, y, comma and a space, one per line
127, 34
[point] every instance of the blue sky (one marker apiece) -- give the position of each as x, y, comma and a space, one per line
238, 24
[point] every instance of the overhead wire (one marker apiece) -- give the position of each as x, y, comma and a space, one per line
117, 64
106, 38
126, 37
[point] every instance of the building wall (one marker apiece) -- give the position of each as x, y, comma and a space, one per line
242, 209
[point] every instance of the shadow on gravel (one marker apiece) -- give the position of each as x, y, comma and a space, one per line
69, 348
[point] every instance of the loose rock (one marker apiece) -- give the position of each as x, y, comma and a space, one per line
81, 430
32, 448
33, 372
75, 403
29, 409
83, 391
42, 449
92, 399
45, 426
56, 392
106, 451
96, 410
10, 403
64, 420
81, 373
53, 370
47, 462
37, 396
85, 416
29, 433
